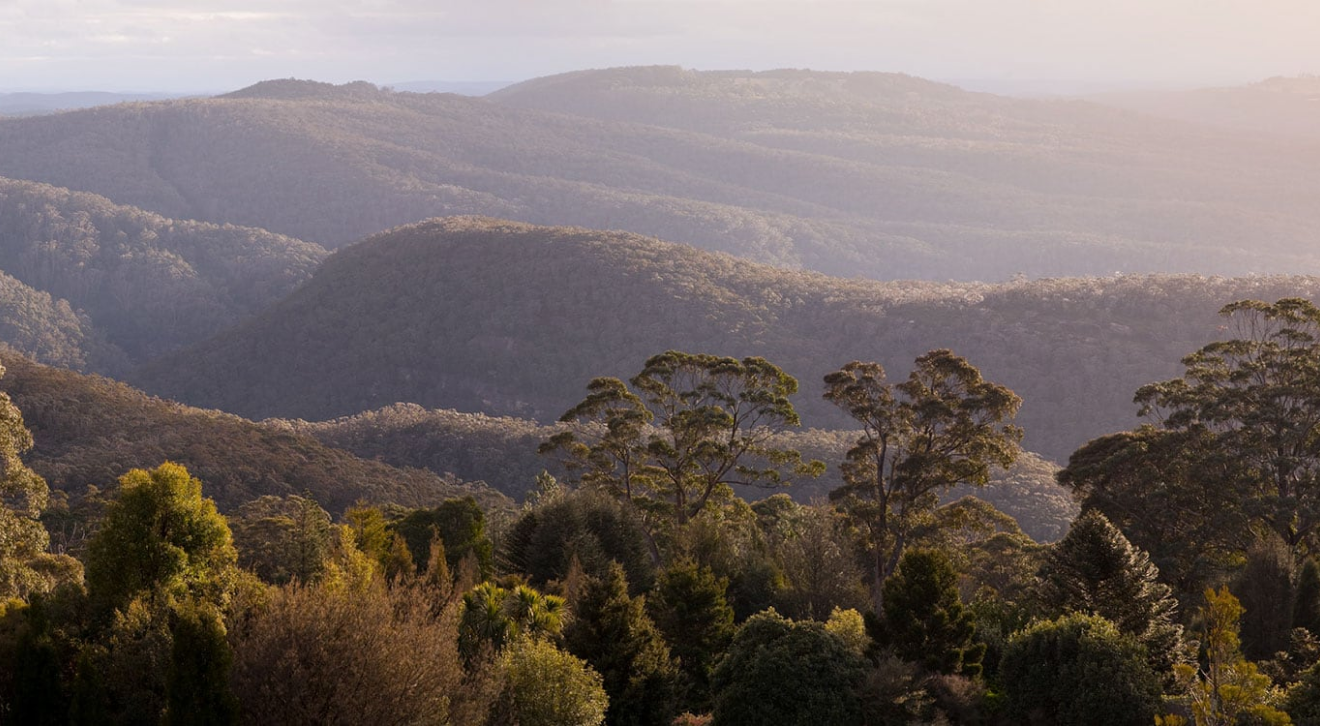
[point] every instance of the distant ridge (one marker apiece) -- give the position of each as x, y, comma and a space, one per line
513, 319
883, 176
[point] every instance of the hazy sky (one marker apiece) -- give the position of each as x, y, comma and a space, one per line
194, 45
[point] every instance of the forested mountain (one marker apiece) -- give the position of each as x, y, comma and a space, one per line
1281, 106
875, 175
89, 430
513, 319
139, 282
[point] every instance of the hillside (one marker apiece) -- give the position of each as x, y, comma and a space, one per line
145, 283
501, 451
513, 319
875, 175
1279, 106
89, 430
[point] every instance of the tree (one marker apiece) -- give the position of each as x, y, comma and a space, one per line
25, 567
160, 534
590, 526
493, 617
380, 655
459, 523
1230, 690
283, 538
1266, 593
612, 633
690, 608
1173, 494
690, 428
943, 426
924, 620
1078, 670
1306, 611
787, 673
1094, 570
547, 687
197, 686
1257, 398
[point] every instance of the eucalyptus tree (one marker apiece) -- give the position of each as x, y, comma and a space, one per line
678, 437
943, 426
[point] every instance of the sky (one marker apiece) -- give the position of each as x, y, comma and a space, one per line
216, 45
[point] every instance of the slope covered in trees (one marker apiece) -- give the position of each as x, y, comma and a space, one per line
147, 284
89, 430
512, 319
879, 175
1281, 106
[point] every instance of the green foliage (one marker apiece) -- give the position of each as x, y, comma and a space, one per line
197, 686
25, 568
592, 527
790, 673
691, 427
282, 538
1302, 702
1166, 490
945, 425
1266, 592
924, 619
612, 633
1094, 570
492, 617
1306, 611
1230, 689
459, 523
689, 607
1257, 398
160, 536
548, 687
1078, 670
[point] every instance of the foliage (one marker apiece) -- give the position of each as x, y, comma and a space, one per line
459, 523
1094, 570
785, 672
337, 656
1230, 689
943, 426
25, 567
713, 418
1265, 589
612, 633
160, 536
1257, 398
591, 527
689, 607
545, 686
197, 685
93, 430
1078, 670
493, 617
1306, 611
924, 620
282, 538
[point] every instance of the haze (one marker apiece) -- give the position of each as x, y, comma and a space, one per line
211, 45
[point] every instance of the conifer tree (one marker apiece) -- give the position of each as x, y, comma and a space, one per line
612, 633
1095, 570
924, 620
690, 608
